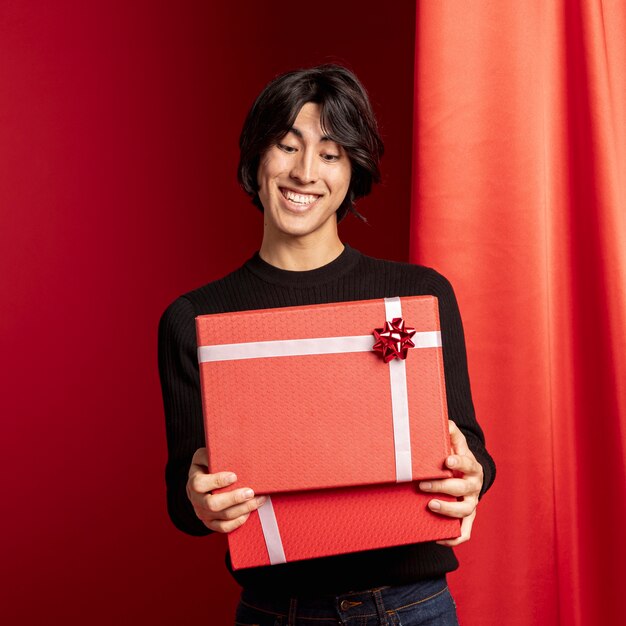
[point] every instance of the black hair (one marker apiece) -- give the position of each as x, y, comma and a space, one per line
346, 117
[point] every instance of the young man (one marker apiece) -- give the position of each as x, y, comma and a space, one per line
310, 148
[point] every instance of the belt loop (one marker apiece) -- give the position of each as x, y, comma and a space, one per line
380, 608
293, 605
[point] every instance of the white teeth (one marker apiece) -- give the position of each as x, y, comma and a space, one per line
297, 197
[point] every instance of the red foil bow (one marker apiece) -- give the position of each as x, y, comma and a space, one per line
394, 340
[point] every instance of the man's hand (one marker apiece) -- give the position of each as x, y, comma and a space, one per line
222, 512
466, 485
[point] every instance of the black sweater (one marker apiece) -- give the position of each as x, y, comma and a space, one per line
259, 285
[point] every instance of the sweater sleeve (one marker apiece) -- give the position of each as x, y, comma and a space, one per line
458, 391
182, 403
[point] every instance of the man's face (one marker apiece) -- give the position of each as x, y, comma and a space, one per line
303, 179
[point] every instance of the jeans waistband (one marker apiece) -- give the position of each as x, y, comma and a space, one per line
369, 601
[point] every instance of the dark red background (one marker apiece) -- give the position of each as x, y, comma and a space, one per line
119, 125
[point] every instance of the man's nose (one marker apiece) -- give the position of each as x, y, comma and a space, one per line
304, 167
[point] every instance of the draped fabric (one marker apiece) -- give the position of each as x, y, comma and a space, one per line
519, 197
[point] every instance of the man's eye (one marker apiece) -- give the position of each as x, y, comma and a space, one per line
331, 157
286, 148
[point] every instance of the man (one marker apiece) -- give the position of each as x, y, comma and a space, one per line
309, 149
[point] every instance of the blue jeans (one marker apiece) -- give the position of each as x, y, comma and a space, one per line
417, 604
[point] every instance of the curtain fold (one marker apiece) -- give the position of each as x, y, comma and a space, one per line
519, 197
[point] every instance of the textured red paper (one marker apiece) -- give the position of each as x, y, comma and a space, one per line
336, 521
319, 421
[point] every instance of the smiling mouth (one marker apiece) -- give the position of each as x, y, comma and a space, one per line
298, 199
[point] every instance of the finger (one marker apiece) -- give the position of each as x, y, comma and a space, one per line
453, 486
465, 464
457, 439
233, 512
226, 526
466, 532
453, 509
220, 501
200, 458
200, 482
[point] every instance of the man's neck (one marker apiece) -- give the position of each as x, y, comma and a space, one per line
297, 255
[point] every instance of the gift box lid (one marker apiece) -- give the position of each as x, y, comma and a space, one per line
308, 397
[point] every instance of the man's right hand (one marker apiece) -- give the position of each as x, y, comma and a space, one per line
222, 512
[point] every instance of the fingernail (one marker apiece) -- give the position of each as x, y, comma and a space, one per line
435, 505
451, 461
231, 478
426, 486
248, 493
261, 500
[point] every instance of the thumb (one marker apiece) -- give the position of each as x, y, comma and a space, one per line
457, 440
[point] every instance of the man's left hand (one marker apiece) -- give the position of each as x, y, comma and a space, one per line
466, 485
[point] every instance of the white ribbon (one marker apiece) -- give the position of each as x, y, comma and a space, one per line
302, 347
285, 347
333, 345
399, 405
269, 526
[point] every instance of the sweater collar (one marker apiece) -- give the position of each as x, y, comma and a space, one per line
346, 260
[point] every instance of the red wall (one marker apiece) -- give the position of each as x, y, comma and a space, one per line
119, 125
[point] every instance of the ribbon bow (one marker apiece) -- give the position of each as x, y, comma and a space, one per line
394, 340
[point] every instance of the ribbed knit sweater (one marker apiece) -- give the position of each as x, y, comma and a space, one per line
259, 285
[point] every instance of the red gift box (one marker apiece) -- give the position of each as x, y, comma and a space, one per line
309, 404
297, 398
310, 524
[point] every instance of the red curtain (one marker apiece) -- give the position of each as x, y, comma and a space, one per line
519, 197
